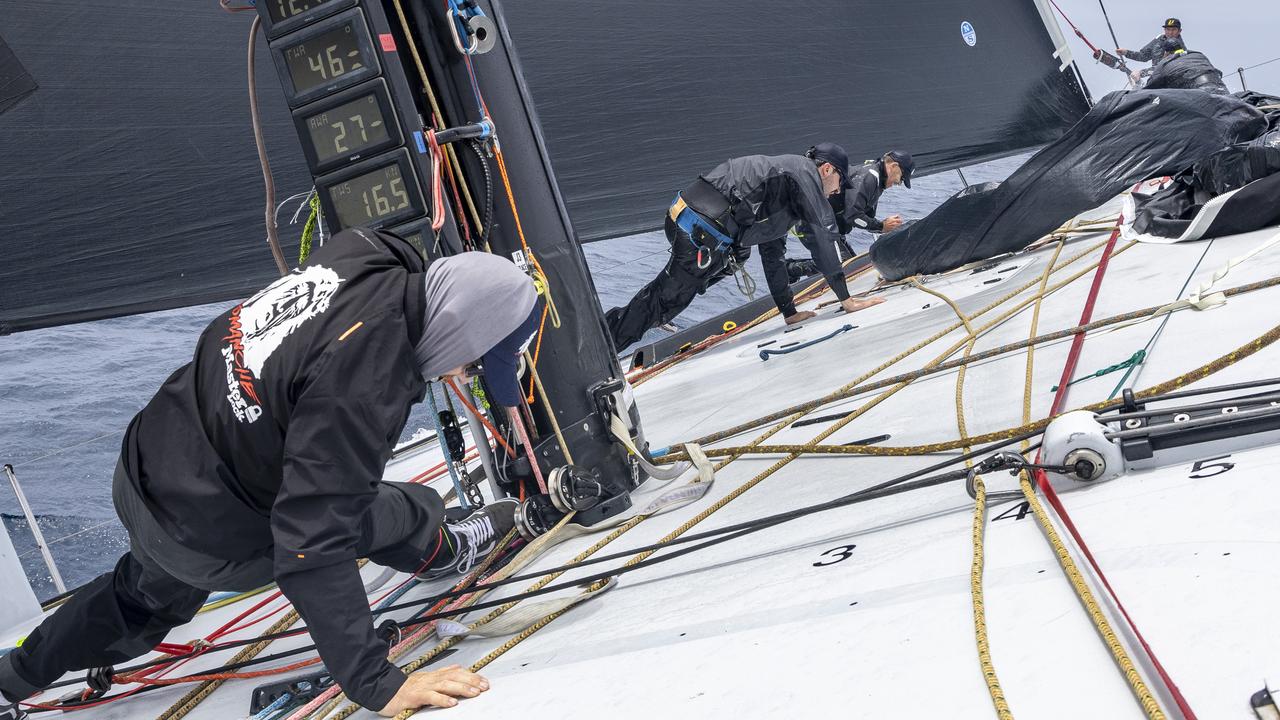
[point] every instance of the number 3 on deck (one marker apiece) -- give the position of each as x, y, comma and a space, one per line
838, 554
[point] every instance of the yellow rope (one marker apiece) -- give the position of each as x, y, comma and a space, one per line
979, 517
546, 403
1082, 591
516, 640
234, 599
737, 492
1193, 376
1253, 346
797, 413
436, 115
196, 695
1099, 620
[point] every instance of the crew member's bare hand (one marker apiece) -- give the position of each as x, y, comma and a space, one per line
1121, 51
893, 222
440, 688
856, 304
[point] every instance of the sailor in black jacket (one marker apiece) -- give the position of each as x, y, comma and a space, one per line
713, 224
261, 460
1165, 44
867, 183
855, 207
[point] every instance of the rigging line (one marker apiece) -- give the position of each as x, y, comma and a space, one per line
514, 418
546, 401
985, 355
760, 523
1135, 681
1146, 349
437, 118
848, 388
444, 450
479, 431
978, 562
1268, 62
269, 183
74, 534
1166, 390
1107, 17
1078, 33
61, 450
641, 558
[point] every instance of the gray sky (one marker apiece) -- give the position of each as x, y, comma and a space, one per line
1232, 33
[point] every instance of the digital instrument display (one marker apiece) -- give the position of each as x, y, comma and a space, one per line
347, 126
281, 10
329, 55
419, 235
281, 16
375, 193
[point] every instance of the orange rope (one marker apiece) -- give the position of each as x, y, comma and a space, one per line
139, 680
537, 350
496, 435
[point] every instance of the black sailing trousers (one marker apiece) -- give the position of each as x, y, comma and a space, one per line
667, 295
159, 585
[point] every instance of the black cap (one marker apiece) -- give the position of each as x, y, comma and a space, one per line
834, 154
905, 162
1173, 23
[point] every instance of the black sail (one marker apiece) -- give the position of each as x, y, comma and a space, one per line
129, 180
636, 103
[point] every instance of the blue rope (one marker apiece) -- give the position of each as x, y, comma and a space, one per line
1133, 361
444, 450
764, 354
271, 709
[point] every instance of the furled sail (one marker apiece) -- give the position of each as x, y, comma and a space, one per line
129, 180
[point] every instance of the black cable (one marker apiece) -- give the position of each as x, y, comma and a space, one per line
478, 147
1108, 19
725, 533
900, 484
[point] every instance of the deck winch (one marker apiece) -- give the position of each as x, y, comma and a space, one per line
1138, 438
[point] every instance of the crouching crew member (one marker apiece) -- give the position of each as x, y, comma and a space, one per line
714, 223
261, 461
855, 207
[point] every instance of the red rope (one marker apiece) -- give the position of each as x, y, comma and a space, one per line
1059, 400
437, 183
1096, 51
496, 435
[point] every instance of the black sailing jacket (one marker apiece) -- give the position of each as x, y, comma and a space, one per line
769, 194
1154, 50
272, 440
861, 200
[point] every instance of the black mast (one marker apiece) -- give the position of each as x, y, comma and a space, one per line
419, 49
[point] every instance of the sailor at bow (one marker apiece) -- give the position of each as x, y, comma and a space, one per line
713, 224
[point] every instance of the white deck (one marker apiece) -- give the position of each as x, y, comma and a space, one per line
752, 628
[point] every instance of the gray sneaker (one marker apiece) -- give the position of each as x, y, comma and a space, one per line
476, 535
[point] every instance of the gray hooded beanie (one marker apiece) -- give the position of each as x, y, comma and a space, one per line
474, 300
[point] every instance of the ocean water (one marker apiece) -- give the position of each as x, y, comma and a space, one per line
67, 394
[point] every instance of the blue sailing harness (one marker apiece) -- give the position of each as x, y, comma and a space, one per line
686, 218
